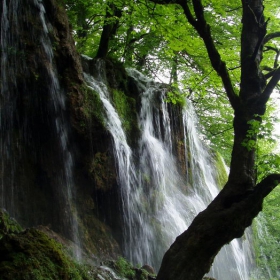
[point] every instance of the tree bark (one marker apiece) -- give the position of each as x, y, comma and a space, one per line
110, 27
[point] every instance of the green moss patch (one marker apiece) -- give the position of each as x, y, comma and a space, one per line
8, 225
32, 255
101, 170
92, 105
221, 176
126, 108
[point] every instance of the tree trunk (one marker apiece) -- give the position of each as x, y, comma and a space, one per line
110, 27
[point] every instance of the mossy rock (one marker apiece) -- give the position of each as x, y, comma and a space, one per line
221, 174
126, 108
101, 169
32, 255
126, 270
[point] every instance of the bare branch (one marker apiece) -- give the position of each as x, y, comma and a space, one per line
233, 68
269, 74
269, 48
164, 1
270, 36
234, 9
262, 32
222, 131
270, 87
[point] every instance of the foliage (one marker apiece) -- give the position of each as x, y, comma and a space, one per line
267, 227
266, 239
7, 224
124, 268
175, 96
158, 40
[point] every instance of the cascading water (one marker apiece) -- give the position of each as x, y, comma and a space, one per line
122, 151
19, 121
159, 200
178, 206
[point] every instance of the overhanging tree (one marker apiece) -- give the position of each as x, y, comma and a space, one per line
233, 210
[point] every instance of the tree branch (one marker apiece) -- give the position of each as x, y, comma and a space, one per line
269, 74
270, 36
262, 32
269, 87
203, 29
269, 48
162, 2
265, 187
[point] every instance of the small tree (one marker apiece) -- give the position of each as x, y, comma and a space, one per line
240, 201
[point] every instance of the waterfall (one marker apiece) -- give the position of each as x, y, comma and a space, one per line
122, 152
24, 109
159, 198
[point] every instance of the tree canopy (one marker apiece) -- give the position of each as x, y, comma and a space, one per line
158, 40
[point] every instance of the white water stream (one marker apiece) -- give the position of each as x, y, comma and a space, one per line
159, 202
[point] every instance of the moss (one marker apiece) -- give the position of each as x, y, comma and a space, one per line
221, 176
92, 105
116, 75
124, 268
127, 271
101, 171
8, 225
31, 254
126, 108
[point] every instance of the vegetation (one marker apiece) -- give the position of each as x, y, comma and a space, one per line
93, 104
30, 254
126, 108
222, 174
8, 225
124, 268
158, 40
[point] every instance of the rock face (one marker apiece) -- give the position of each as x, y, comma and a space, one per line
39, 253
57, 165
47, 154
